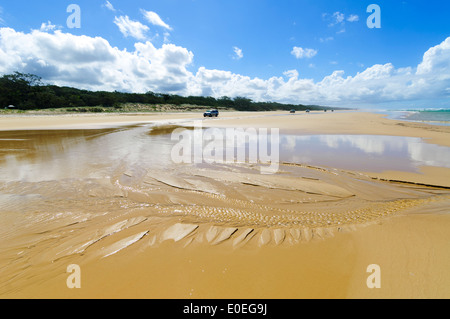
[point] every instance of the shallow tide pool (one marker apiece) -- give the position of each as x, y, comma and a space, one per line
52, 155
363, 152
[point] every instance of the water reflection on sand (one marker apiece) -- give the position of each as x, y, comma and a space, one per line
51, 155
363, 152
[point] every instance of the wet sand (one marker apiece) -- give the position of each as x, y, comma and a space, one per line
142, 227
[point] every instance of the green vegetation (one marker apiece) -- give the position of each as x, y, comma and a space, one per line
27, 92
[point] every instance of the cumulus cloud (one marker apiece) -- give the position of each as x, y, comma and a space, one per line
155, 19
436, 59
301, 53
131, 28
92, 63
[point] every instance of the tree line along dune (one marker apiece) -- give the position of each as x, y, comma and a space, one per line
27, 92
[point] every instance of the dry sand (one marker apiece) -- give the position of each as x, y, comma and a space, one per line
228, 231
76, 121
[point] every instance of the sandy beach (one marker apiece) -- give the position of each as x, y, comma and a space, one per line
98, 191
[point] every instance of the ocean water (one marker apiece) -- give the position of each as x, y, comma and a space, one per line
429, 116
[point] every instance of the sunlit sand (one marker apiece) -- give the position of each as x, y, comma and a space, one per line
102, 193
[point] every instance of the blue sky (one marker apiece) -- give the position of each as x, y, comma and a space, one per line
288, 51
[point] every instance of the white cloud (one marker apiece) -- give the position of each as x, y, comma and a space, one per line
109, 6
334, 19
166, 37
301, 53
238, 53
327, 39
131, 28
436, 59
353, 18
155, 19
92, 63
291, 73
337, 18
45, 27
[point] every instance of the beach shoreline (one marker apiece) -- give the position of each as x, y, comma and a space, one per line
315, 122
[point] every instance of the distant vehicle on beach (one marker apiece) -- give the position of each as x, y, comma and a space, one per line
307, 111
292, 111
211, 113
